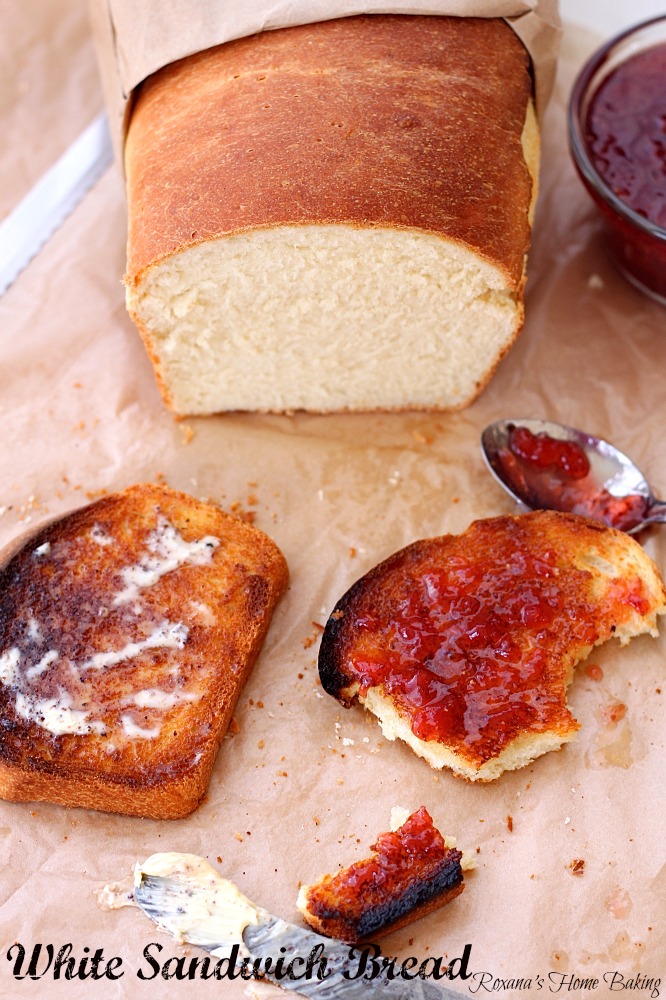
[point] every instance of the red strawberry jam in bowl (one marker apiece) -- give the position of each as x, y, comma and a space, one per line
617, 135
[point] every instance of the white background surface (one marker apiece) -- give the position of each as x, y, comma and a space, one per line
609, 16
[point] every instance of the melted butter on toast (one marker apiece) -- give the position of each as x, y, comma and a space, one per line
24, 668
127, 630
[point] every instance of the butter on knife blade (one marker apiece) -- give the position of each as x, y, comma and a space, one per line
46, 206
189, 899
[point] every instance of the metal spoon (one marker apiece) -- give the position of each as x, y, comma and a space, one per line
613, 477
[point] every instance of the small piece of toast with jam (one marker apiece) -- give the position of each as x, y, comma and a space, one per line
412, 871
127, 631
464, 645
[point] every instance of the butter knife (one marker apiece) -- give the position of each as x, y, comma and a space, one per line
197, 906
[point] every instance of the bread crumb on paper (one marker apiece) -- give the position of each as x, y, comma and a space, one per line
310, 640
242, 513
422, 438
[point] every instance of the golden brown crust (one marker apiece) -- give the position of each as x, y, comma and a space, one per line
374, 121
464, 645
127, 631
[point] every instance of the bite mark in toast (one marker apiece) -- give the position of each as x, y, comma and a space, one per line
464, 646
127, 631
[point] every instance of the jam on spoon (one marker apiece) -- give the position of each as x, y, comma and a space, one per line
548, 466
555, 474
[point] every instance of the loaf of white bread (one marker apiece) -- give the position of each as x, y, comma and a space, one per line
333, 216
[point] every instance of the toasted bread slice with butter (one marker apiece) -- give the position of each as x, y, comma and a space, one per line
464, 646
412, 871
127, 631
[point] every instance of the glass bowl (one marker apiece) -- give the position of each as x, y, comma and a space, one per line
637, 243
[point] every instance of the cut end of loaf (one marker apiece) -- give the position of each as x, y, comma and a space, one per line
324, 318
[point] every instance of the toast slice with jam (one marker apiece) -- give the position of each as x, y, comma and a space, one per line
464, 646
127, 631
411, 871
